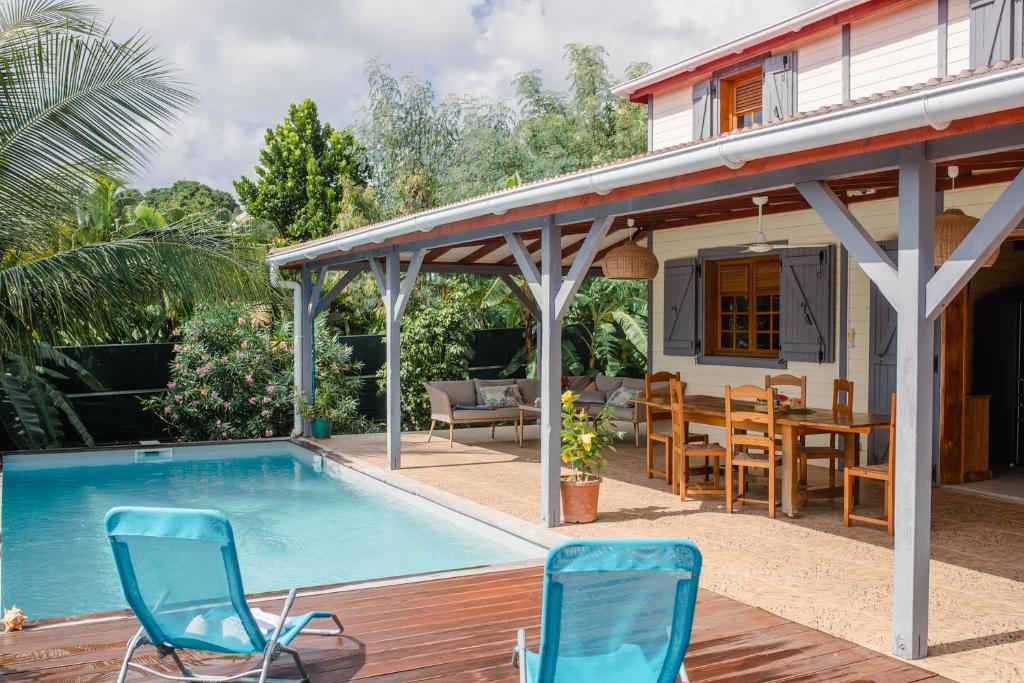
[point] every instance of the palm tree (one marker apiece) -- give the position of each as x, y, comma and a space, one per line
75, 105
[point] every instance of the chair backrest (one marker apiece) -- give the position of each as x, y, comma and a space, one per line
785, 380
656, 386
628, 597
842, 396
741, 417
678, 415
179, 573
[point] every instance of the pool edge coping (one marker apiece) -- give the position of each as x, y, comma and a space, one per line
545, 538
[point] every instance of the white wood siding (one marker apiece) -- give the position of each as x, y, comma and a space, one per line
894, 50
958, 37
673, 117
819, 79
803, 227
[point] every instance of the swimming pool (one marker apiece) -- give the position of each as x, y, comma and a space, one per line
299, 519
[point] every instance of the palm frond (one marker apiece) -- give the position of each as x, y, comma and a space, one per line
74, 105
24, 19
88, 289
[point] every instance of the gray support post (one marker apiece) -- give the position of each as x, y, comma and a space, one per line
915, 343
650, 308
392, 334
550, 372
304, 352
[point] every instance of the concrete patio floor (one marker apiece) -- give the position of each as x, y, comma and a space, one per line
811, 569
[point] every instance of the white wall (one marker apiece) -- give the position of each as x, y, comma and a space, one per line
673, 117
958, 36
894, 50
803, 227
820, 72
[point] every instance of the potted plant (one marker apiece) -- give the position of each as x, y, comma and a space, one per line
583, 445
320, 412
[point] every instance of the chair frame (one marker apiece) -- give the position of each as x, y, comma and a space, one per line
832, 452
687, 445
887, 476
748, 430
273, 646
654, 415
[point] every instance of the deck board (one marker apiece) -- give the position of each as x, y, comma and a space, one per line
461, 629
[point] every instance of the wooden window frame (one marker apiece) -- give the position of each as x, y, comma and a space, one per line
728, 116
713, 313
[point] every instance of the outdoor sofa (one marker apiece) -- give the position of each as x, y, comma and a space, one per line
461, 401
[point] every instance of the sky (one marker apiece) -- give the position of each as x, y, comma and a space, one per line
247, 60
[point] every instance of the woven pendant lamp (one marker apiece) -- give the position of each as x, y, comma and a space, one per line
630, 261
951, 227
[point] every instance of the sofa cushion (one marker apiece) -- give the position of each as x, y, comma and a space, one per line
501, 396
529, 389
623, 414
607, 384
623, 397
578, 383
499, 382
486, 415
458, 391
633, 383
590, 398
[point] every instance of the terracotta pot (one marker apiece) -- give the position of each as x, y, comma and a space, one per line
579, 500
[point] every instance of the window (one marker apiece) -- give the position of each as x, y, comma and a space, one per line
742, 306
740, 100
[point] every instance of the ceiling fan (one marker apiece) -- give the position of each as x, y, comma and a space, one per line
761, 245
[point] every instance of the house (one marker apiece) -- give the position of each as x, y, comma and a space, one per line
848, 128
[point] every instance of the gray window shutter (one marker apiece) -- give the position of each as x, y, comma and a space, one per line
703, 110
680, 314
808, 303
991, 31
778, 95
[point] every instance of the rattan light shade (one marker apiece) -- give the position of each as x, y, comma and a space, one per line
630, 261
951, 227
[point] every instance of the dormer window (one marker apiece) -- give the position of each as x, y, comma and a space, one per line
741, 100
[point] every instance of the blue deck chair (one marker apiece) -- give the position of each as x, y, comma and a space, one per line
614, 610
179, 572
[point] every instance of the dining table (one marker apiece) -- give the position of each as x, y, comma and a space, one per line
790, 426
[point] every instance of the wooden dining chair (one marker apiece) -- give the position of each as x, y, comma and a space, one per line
842, 404
750, 444
689, 445
792, 381
883, 472
656, 388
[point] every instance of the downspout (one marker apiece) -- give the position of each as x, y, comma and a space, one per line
277, 281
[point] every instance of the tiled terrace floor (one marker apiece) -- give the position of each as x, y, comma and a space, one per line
810, 570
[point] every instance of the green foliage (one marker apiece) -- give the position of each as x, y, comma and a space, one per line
609, 319
232, 377
436, 345
31, 407
188, 198
302, 173
583, 442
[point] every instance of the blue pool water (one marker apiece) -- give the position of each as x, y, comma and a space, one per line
294, 524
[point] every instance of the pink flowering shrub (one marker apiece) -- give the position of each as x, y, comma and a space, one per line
231, 378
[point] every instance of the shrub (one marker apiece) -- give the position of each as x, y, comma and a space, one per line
231, 377
435, 340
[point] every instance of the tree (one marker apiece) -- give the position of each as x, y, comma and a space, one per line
302, 168
78, 105
188, 198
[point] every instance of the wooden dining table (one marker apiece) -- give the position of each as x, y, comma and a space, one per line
710, 410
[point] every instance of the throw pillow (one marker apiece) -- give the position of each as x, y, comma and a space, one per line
623, 397
504, 396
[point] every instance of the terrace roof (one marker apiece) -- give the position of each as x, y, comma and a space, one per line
584, 188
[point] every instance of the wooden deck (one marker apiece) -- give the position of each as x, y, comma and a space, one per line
463, 629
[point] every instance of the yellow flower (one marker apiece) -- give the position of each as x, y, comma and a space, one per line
586, 438
567, 397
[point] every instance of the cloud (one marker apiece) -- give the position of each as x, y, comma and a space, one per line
247, 61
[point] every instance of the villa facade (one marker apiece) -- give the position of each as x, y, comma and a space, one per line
853, 124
